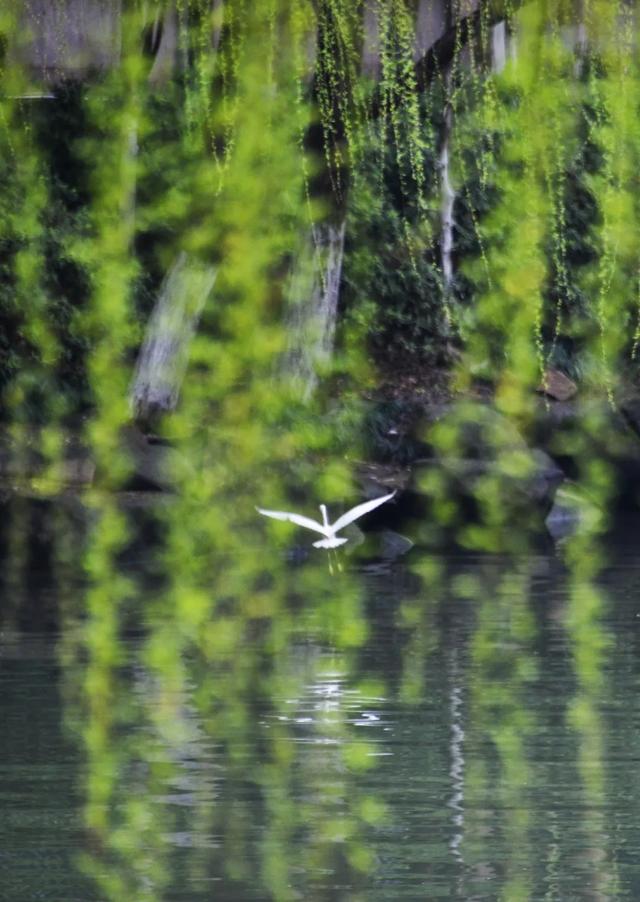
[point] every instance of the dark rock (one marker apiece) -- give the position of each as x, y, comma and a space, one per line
79, 470
377, 479
391, 431
531, 474
151, 463
393, 545
558, 386
573, 511
575, 433
629, 407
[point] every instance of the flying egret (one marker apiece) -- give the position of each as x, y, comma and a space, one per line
328, 530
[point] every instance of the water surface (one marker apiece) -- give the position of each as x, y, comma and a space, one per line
446, 726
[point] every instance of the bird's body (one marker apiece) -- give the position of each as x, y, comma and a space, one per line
328, 530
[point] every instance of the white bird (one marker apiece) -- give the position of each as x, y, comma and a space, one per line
328, 530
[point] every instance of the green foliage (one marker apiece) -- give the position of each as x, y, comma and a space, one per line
392, 280
381, 148
117, 174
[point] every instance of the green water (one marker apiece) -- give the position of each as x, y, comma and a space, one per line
445, 726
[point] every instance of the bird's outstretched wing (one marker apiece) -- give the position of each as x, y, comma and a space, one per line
298, 519
358, 511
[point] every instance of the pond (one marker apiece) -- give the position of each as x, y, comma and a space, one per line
446, 725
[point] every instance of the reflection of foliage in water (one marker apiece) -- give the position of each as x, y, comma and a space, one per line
218, 708
224, 662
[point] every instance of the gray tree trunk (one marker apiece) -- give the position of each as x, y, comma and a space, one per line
163, 358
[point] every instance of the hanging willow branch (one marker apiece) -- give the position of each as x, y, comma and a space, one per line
441, 54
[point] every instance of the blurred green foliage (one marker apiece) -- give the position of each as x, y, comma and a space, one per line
186, 625
392, 281
167, 147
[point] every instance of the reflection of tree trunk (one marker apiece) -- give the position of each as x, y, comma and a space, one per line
456, 749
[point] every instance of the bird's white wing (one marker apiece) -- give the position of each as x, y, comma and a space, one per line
358, 511
298, 519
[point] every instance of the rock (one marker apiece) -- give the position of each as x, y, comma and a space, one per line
473, 452
573, 511
629, 407
475, 430
557, 385
393, 545
378, 479
474, 442
575, 433
22, 459
384, 544
546, 476
78, 471
389, 430
531, 474
152, 463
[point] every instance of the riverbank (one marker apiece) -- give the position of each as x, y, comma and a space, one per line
456, 459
